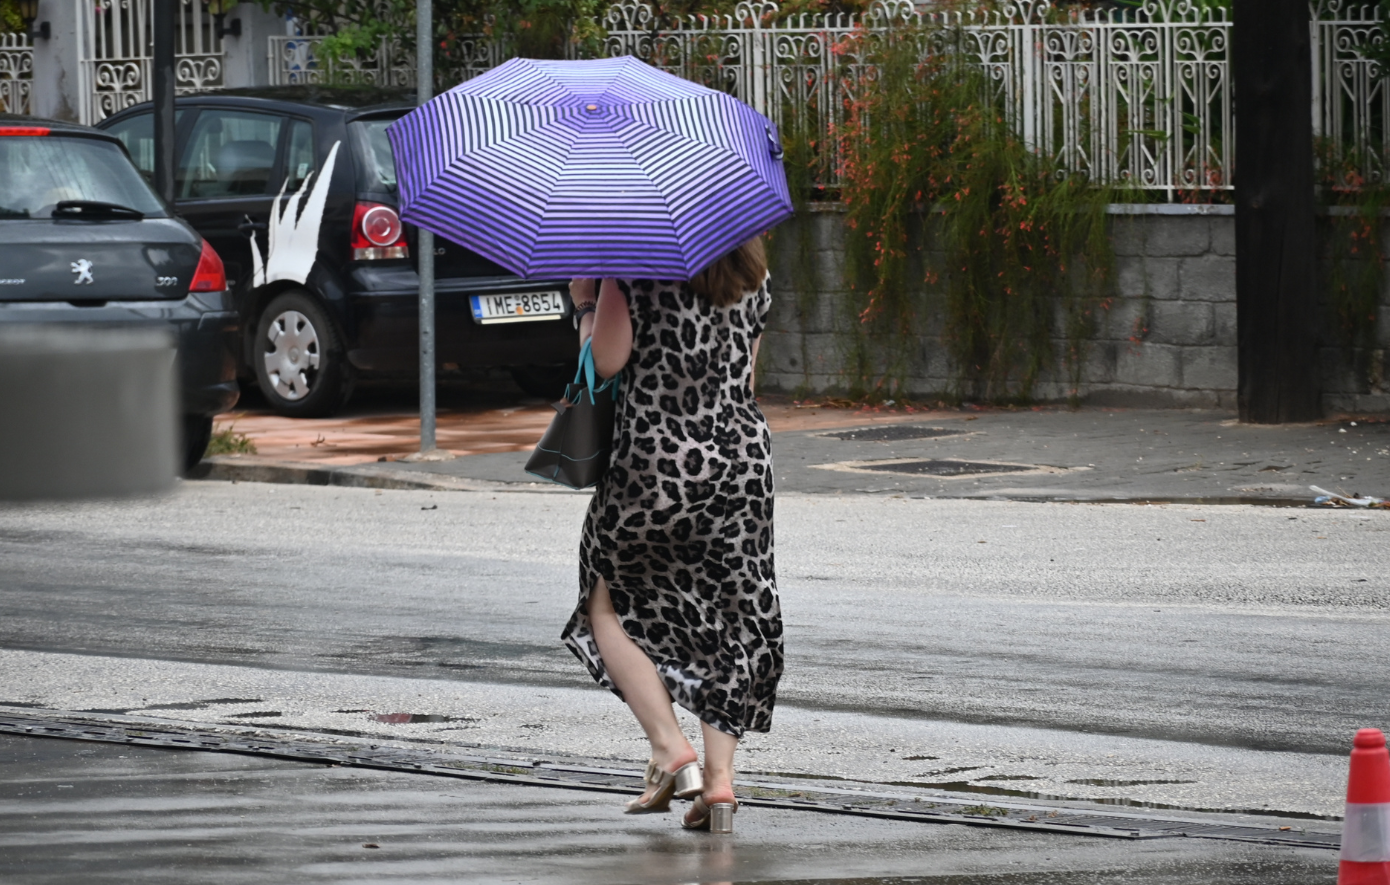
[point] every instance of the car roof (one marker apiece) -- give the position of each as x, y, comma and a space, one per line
356, 100
55, 127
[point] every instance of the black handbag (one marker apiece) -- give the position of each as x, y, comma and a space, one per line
575, 448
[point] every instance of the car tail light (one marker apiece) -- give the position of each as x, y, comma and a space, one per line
24, 130
210, 276
377, 233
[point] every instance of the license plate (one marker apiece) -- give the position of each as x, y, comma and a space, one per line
518, 307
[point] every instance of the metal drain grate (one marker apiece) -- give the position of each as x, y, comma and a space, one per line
943, 467
893, 432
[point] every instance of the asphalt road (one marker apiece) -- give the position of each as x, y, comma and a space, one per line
73, 812
1185, 656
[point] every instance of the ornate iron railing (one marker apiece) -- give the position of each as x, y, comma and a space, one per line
1141, 96
117, 47
1351, 102
16, 73
296, 60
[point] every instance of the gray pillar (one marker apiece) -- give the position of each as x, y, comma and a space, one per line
56, 91
424, 70
246, 59
165, 21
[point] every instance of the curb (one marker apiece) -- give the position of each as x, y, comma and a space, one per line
243, 468
240, 468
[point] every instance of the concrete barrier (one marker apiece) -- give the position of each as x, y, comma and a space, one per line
86, 413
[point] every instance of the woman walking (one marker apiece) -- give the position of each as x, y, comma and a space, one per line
677, 592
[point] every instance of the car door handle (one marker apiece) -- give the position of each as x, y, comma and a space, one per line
248, 227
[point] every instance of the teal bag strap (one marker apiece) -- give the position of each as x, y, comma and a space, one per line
586, 374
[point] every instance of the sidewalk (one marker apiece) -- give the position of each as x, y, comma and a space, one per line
1027, 454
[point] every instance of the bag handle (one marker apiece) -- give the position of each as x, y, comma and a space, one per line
586, 374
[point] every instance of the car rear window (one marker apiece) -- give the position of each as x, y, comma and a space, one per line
41, 171
376, 165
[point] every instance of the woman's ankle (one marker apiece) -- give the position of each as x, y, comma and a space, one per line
672, 758
718, 789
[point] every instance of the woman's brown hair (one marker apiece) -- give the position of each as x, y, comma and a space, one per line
728, 279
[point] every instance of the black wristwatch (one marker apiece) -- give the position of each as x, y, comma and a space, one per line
579, 313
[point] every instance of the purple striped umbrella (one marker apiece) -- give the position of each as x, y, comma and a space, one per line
606, 168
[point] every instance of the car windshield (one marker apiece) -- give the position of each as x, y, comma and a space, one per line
42, 171
377, 165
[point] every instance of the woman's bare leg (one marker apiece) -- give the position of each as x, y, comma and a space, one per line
719, 766
636, 677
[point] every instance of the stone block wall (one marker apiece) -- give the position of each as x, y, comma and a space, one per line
1167, 339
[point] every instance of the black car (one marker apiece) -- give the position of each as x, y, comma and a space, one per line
296, 189
84, 239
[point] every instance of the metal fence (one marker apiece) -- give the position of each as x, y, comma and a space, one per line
117, 54
298, 60
1138, 96
1143, 96
16, 73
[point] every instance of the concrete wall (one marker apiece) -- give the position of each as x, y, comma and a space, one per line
1168, 338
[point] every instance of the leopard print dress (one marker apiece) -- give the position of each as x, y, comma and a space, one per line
680, 527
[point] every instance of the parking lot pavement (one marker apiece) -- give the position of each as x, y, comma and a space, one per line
1043, 453
79, 812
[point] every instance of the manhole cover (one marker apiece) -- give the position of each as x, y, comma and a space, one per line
891, 432
943, 467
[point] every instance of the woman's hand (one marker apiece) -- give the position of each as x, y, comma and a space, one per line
582, 292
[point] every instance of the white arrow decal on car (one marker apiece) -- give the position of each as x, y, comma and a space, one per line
293, 240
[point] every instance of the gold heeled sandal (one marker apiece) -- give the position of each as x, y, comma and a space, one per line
663, 786
717, 817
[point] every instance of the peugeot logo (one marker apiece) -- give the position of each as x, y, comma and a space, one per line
83, 268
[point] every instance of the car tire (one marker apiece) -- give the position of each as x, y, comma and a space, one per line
546, 382
197, 433
298, 356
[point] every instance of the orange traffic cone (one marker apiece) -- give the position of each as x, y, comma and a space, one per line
1366, 831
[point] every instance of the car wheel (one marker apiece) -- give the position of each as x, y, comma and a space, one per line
300, 364
197, 433
546, 382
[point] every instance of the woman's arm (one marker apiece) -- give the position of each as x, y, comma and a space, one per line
610, 327
753, 369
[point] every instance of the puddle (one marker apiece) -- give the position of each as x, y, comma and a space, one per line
1104, 782
967, 787
892, 433
203, 704
414, 718
945, 467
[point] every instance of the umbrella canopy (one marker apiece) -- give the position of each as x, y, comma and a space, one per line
605, 168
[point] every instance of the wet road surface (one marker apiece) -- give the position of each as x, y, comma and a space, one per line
73, 812
1196, 657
